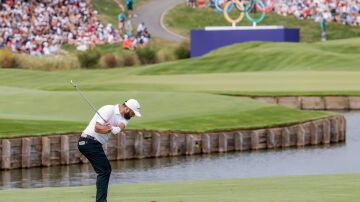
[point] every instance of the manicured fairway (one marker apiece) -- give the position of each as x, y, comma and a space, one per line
316, 188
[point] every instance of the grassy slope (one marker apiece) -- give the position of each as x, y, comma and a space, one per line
161, 110
269, 83
339, 55
318, 68
181, 19
327, 188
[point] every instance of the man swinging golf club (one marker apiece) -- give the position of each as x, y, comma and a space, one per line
108, 120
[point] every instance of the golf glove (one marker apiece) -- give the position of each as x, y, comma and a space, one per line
115, 130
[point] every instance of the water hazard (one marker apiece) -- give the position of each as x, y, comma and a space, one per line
338, 158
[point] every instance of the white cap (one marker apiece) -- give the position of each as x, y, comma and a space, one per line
134, 106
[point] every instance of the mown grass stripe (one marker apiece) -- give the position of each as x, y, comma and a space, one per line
320, 188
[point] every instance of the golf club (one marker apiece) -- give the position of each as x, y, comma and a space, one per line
74, 84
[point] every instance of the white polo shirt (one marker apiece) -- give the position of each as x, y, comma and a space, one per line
110, 113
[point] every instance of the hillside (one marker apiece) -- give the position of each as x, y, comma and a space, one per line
181, 19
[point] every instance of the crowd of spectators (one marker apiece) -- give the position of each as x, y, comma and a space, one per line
41, 27
140, 39
340, 11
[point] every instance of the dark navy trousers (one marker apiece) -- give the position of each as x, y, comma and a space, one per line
94, 152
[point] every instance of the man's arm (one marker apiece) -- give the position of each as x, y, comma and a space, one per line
102, 126
103, 129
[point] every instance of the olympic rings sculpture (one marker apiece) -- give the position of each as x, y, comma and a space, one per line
252, 6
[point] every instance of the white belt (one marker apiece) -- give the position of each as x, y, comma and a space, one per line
88, 136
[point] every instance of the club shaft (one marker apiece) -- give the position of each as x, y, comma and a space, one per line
92, 106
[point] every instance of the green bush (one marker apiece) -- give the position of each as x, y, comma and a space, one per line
146, 55
7, 59
89, 59
183, 50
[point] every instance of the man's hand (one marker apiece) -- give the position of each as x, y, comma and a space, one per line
115, 130
108, 124
103, 129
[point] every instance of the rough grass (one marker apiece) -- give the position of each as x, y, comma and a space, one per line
319, 188
48, 63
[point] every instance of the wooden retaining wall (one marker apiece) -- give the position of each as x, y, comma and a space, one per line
62, 149
314, 102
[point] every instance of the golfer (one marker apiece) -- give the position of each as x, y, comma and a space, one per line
114, 118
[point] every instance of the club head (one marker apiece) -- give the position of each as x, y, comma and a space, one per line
73, 83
